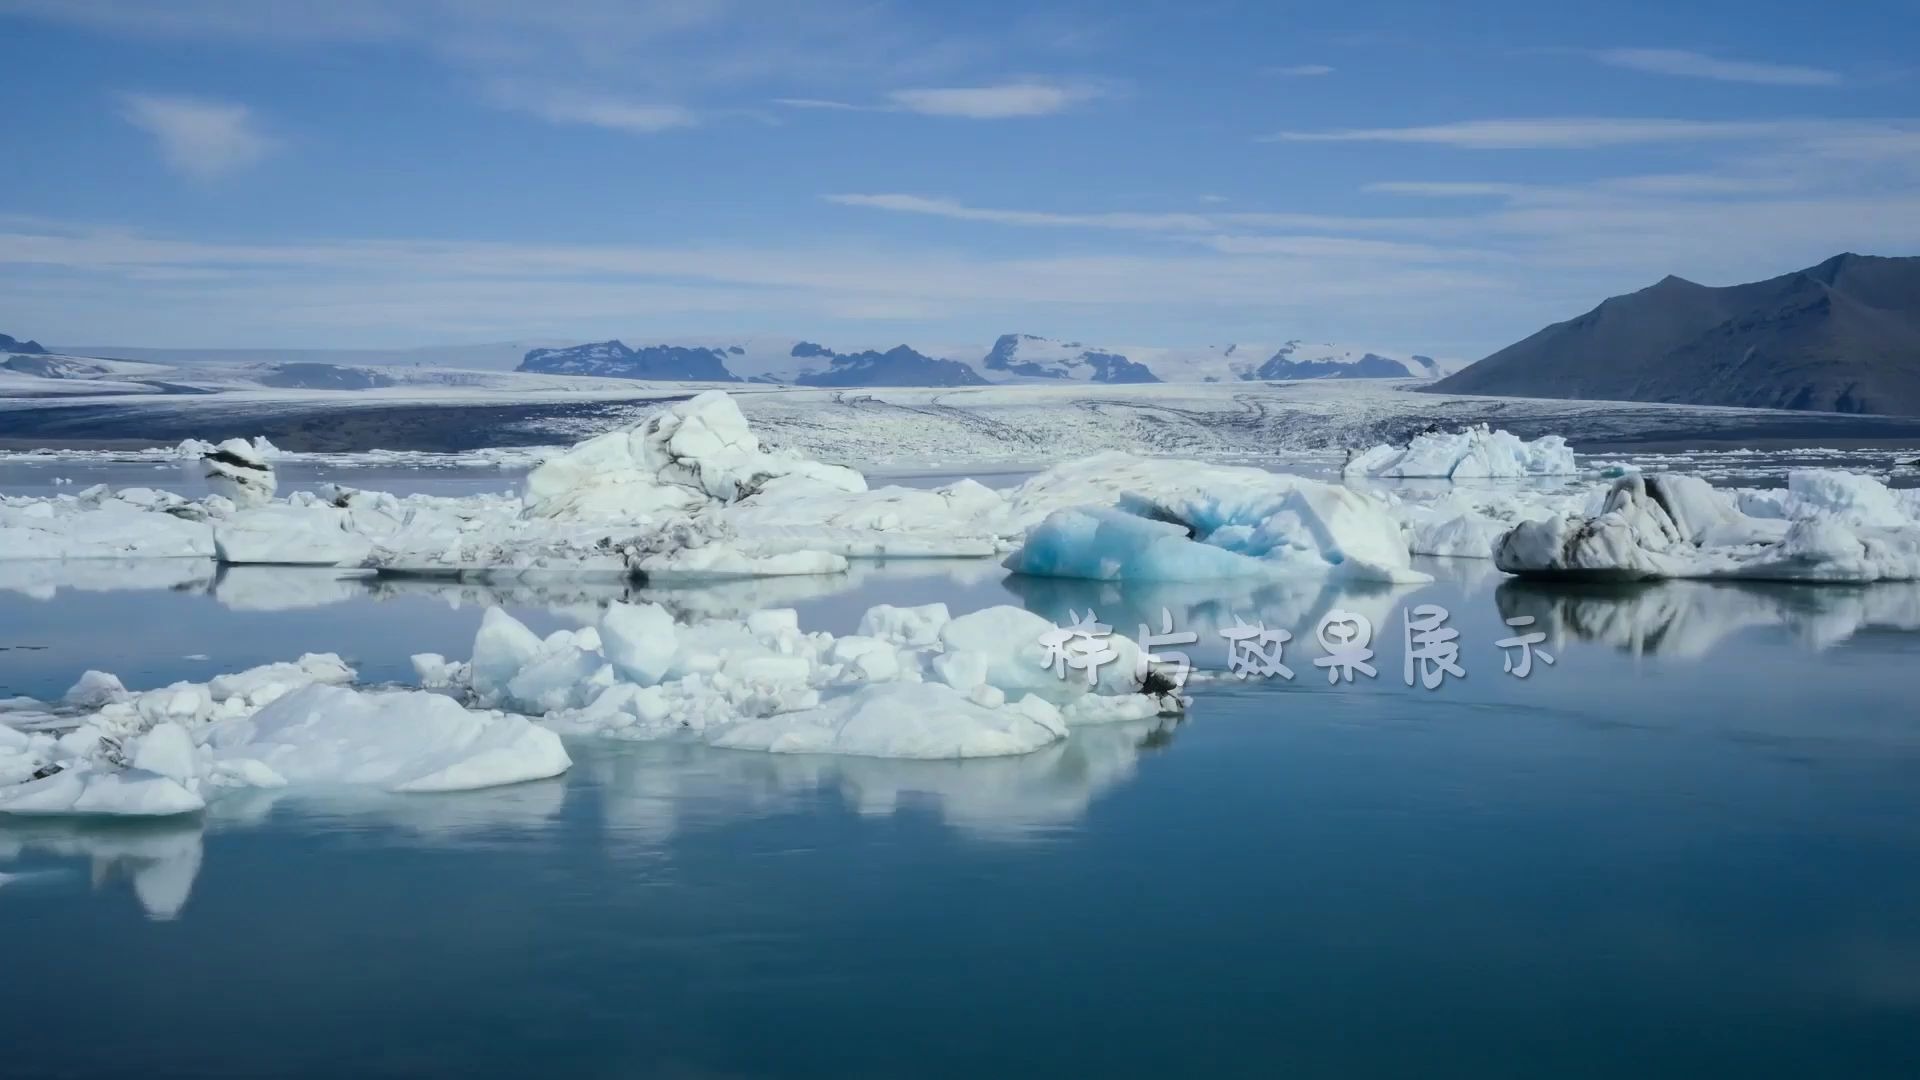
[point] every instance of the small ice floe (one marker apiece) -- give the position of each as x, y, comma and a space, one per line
1476, 453
239, 470
1826, 526
105, 750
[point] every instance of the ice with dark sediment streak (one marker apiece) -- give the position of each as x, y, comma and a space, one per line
241, 471
1827, 526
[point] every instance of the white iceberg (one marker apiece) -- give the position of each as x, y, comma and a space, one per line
680, 458
401, 742
132, 523
103, 750
1188, 521
1477, 453
914, 684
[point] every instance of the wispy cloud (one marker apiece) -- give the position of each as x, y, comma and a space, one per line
644, 57
1567, 133
1696, 65
198, 138
934, 206
122, 284
823, 103
1000, 101
1444, 189
1297, 71
595, 110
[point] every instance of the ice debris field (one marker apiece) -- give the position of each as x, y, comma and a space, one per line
691, 493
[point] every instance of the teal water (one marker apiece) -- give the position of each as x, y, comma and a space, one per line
1690, 847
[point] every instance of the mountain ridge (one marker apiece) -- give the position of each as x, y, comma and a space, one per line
1013, 357
1840, 336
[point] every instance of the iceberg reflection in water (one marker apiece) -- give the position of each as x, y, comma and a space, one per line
1694, 618
632, 795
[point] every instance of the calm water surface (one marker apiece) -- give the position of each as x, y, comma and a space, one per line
1690, 847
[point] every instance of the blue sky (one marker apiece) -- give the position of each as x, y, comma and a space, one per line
1435, 178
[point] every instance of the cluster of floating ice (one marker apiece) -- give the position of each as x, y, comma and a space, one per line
690, 493
912, 683
105, 750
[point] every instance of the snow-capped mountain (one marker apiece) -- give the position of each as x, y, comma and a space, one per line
1012, 358
613, 359
802, 363
1038, 357
898, 366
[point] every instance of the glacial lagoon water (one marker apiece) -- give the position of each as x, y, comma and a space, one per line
1689, 847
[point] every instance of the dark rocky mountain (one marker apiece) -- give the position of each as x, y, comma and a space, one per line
1843, 336
613, 360
898, 366
15, 345
1025, 354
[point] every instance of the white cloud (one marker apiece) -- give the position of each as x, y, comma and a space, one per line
1570, 133
1444, 189
198, 138
1013, 99
1701, 66
1300, 70
702, 54
822, 103
595, 110
957, 211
